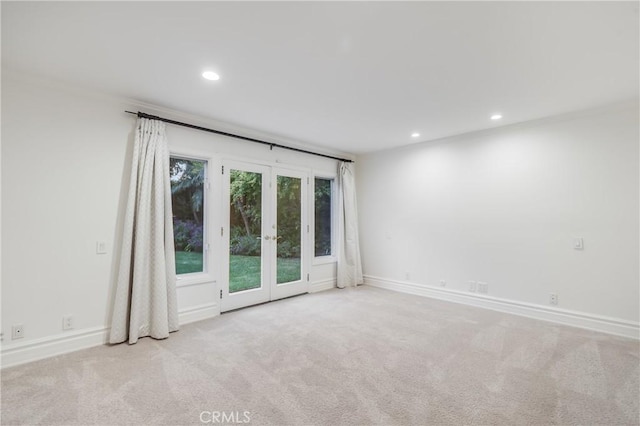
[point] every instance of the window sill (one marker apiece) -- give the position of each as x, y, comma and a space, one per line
184, 280
324, 260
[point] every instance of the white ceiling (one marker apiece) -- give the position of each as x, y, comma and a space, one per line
351, 76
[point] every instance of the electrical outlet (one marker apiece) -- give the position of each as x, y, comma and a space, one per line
483, 287
407, 277
443, 283
17, 331
67, 322
472, 286
553, 299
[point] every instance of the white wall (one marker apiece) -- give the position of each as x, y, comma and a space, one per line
65, 154
500, 207
503, 207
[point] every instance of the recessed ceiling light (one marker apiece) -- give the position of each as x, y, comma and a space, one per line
415, 134
210, 75
496, 116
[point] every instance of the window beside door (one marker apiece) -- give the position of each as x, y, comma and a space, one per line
323, 206
188, 177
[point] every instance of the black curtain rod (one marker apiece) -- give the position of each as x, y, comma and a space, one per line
232, 135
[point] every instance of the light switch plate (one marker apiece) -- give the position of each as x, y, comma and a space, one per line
101, 247
578, 244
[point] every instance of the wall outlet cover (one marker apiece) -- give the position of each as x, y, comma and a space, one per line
67, 322
17, 331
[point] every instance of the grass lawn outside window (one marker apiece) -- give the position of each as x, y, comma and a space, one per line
246, 269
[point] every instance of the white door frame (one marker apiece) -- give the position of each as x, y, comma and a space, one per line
269, 289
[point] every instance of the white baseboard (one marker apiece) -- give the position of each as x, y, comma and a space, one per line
322, 285
46, 347
198, 313
602, 324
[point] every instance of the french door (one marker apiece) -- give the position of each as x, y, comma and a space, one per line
265, 237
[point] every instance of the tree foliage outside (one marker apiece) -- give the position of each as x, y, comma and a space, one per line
289, 216
246, 214
187, 188
322, 201
187, 201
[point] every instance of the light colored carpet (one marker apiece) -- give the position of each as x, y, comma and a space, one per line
357, 356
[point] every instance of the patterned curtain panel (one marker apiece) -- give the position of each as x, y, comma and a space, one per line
145, 301
349, 263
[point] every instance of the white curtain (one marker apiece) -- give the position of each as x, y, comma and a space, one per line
145, 302
349, 263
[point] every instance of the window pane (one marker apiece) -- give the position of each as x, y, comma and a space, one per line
187, 199
323, 188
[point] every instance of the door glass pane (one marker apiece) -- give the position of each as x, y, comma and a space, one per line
289, 228
245, 248
188, 199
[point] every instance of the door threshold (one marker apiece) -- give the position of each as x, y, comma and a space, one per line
263, 303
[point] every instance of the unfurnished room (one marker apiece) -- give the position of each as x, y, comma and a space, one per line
320, 213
